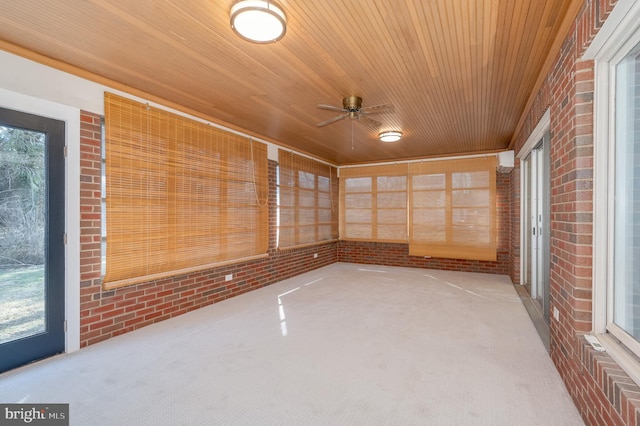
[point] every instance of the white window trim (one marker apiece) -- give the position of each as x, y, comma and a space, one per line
619, 34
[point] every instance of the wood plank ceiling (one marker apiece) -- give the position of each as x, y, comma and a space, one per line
458, 72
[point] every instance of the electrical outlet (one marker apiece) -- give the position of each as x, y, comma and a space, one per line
556, 314
228, 277
315, 255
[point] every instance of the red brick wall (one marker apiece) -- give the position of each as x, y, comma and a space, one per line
104, 314
514, 212
398, 254
603, 393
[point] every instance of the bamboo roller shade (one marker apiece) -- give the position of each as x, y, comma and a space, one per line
374, 203
308, 201
453, 209
181, 195
444, 209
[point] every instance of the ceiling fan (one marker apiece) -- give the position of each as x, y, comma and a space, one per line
352, 109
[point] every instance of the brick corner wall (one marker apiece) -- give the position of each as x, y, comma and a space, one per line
514, 234
602, 391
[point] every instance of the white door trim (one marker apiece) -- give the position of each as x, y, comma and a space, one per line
532, 141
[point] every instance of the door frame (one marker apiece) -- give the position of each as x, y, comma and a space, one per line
538, 134
538, 184
49, 340
71, 117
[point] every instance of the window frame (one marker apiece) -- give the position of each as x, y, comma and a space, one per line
615, 40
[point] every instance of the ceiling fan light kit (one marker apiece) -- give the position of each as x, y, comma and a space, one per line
390, 136
258, 21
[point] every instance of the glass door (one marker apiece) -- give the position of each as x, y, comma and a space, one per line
528, 214
32, 176
536, 201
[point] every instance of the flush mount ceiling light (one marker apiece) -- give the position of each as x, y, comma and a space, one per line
258, 21
391, 136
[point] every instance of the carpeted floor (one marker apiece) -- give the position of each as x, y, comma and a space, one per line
343, 345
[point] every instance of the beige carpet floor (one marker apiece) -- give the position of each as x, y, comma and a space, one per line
342, 345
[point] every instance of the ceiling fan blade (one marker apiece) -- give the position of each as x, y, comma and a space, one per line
376, 109
372, 124
332, 120
331, 108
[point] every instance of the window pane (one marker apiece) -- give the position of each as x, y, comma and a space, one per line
358, 184
324, 216
471, 217
324, 200
287, 215
286, 198
307, 198
307, 180
22, 233
324, 232
470, 180
358, 201
392, 216
391, 232
392, 183
358, 216
428, 182
429, 216
392, 200
358, 231
627, 195
323, 183
471, 198
306, 216
431, 234
429, 199
471, 235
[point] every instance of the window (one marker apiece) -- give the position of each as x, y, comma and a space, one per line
626, 193
453, 208
307, 201
443, 208
616, 196
180, 195
374, 203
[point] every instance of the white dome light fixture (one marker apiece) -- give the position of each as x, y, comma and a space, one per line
390, 136
258, 21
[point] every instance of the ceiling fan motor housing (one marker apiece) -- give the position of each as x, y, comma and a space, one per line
352, 103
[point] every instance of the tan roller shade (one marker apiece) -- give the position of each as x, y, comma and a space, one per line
453, 208
180, 195
308, 201
373, 203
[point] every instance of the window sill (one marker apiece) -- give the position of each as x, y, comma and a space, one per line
609, 377
628, 362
